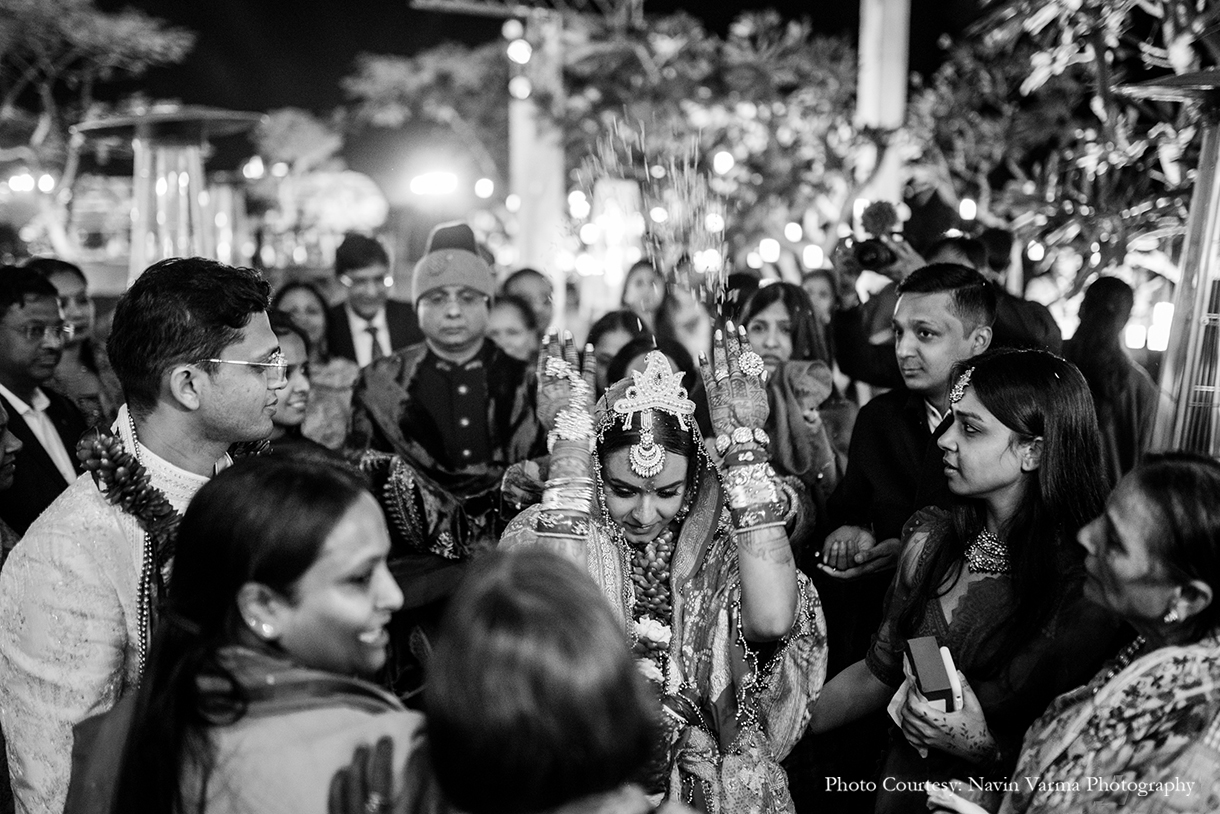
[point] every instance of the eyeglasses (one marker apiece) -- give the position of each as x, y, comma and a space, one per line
365, 282
276, 366
37, 331
466, 298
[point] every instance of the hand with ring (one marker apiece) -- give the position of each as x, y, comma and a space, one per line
562, 382
736, 392
366, 785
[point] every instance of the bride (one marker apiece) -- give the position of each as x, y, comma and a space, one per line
694, 559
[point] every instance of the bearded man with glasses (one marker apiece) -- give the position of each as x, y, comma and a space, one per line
32, 336
79, 596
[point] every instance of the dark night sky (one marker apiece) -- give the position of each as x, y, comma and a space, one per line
263, 54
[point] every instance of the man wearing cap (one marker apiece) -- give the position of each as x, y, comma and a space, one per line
454, 408
439, 422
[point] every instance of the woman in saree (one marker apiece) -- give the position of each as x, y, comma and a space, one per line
694, 560
253, 695
996, 579
1144, 734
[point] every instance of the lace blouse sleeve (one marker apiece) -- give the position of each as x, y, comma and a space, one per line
884, 656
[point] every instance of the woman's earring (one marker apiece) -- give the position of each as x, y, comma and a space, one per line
264, 630
1171, 617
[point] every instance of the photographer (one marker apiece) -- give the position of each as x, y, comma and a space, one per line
863, 338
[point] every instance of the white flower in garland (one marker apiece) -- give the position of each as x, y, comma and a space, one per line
651, 670
653, 633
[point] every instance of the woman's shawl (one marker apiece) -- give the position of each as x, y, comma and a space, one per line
738, 714
1147, 741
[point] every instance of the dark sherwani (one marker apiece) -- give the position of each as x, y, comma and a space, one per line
437, 438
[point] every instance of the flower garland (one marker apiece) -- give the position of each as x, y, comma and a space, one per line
124, 481
652, 611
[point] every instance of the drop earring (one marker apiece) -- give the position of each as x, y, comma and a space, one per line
1171, 617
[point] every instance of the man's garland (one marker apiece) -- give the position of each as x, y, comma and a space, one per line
124, 481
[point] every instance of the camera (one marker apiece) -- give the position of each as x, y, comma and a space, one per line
873, 254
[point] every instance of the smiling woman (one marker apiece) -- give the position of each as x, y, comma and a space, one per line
248, 703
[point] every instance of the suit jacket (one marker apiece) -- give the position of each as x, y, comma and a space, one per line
400, 319
37, 481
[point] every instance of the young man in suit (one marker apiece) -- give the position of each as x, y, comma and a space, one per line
369, 325
32, 335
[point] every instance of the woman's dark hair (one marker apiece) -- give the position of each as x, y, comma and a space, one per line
1035, 394
284, 325
621, 320
312, 290
532, 683
46, 266
1182, 488
1096, 347
528, 318
261, 520
808, 343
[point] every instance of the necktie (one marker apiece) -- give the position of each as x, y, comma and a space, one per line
377, 352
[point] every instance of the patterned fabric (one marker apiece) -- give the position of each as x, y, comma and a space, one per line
740, 713
68, 598
330, 401
1148, 740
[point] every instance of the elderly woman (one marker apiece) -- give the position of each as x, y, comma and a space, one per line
1144, 733
694, 560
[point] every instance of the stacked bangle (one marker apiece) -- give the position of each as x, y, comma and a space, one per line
571, 425
566, 504
750, 485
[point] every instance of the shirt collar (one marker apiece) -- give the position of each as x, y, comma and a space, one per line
39, 403
378, 320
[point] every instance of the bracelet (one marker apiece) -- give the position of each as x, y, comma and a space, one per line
761, 515
751, 455
568, 494
741, 435
571, 425
750, 485
559, 524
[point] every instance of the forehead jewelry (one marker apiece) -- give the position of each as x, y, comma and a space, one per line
959, 390
657, 388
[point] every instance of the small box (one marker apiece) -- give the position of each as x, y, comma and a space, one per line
931, 676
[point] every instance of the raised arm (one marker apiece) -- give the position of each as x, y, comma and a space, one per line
757, 503
565, 408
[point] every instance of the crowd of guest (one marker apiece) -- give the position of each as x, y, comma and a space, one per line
267, 552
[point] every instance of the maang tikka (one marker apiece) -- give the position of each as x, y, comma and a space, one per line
657, 388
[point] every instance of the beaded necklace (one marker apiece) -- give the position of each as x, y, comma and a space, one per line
988, 554
1122, 662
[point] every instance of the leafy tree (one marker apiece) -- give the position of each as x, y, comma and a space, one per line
53, 54
775, 96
